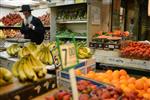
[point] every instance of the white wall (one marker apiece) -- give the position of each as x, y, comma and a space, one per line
5, 11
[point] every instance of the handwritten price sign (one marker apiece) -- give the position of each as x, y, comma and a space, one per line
68, 55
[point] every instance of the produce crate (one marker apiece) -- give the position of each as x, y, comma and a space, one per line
84, 67
26, 91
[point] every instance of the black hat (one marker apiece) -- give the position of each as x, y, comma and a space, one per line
25, 8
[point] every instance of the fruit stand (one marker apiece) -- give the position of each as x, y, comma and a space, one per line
83, 59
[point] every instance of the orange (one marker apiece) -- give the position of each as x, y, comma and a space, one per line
123, 82
123, 72
106, 81
146, 96
127, 90
78, 72
122, 77
109, 72
148, 90
131, 80
139, 84
131, 86
145, 86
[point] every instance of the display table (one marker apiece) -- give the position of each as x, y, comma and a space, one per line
113, 57
43, 96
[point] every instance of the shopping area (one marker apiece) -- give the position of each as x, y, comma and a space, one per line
91, 50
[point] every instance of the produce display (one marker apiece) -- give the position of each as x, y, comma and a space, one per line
6, 76
32, 46
2, 35
136, 50
72, 13
84, 53
9, 33
24, 51
120, 79
13, 50
45, 19
111, 35
28, 68
12, 19
89, 91
44, 55
67, 32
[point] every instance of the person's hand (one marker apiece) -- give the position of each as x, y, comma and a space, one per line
31, 26
19, 35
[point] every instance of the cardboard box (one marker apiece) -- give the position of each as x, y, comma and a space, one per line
84, 66
26, 91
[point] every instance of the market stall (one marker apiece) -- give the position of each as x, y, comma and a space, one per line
85, 55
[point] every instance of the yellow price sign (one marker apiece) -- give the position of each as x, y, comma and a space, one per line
68, 55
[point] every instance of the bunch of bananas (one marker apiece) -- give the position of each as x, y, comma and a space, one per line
44, 55
23, 52
29, 68
32, 46
13, 49
2, 35
84, 52
6, 76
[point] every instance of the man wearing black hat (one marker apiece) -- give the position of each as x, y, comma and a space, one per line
32, 27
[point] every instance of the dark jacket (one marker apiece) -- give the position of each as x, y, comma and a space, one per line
36, 35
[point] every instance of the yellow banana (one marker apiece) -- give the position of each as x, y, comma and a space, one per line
15, 68
6, 74
2, 82
22, 75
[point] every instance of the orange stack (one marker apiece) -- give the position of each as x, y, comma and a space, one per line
120, 79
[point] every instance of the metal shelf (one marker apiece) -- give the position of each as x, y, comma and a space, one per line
71, 22
77, 37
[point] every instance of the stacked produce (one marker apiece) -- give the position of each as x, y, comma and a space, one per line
24, 51
136, 50
67, 32
6, 76
13, 50
11, 19
2, 35
32, 46
45, 19
29, 68
89, 91
10, 33
72, 13
84, 53
111, 35
44, 55
120, 79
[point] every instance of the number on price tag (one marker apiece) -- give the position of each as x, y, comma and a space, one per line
111, 46
68, 55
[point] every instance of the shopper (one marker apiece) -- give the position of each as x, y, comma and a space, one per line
32, 28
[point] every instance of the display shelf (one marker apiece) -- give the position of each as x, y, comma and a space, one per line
18, 27
10, 27
130, 70
28, 90
76, 37
113, 57
71, 22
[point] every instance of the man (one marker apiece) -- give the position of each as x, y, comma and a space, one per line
32, 27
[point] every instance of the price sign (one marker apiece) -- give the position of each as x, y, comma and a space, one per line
68, 55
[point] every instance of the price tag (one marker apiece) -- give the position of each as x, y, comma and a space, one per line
68, 55
111, 46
